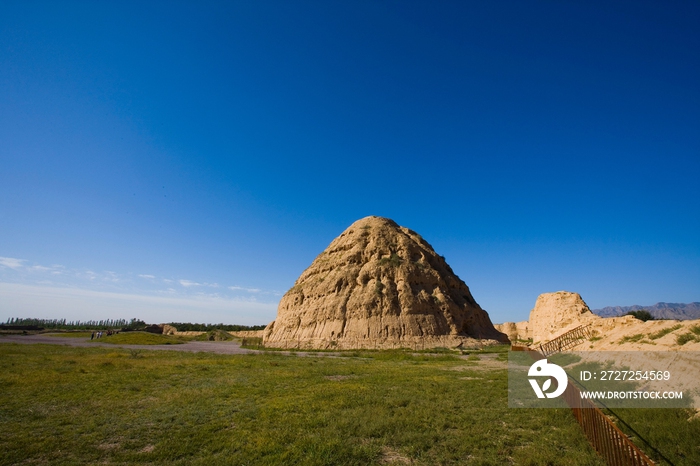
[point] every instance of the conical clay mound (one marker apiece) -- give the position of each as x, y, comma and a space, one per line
379, 285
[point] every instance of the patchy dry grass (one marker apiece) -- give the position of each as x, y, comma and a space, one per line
140, 338
663, 332
637, 338
84, 334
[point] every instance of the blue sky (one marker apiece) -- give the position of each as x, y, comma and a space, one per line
186, 161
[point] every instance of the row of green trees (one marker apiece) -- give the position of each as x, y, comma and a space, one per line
133, 324
64, 324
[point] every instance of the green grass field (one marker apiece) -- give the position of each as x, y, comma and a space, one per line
65, 405
668, 436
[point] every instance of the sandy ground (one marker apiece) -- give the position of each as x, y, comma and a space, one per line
610, 333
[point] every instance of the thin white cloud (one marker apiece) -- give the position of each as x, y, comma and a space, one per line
80, 304
54, 269
11, 262
111, 277
116, 282
249, 290
188, 283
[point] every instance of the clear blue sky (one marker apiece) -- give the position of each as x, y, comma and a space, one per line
188, 160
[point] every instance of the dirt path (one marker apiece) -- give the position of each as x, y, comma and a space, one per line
220, 347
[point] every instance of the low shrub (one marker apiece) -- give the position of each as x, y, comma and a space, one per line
642, 315
631, 338
687, 337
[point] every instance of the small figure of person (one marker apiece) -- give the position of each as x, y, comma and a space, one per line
92, 336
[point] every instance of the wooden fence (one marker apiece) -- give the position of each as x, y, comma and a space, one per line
605, 437
566, 341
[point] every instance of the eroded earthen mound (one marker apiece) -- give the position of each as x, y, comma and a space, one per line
516, 331
379, 285
557, 313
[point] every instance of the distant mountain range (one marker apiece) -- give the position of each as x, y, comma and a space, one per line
669, 311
